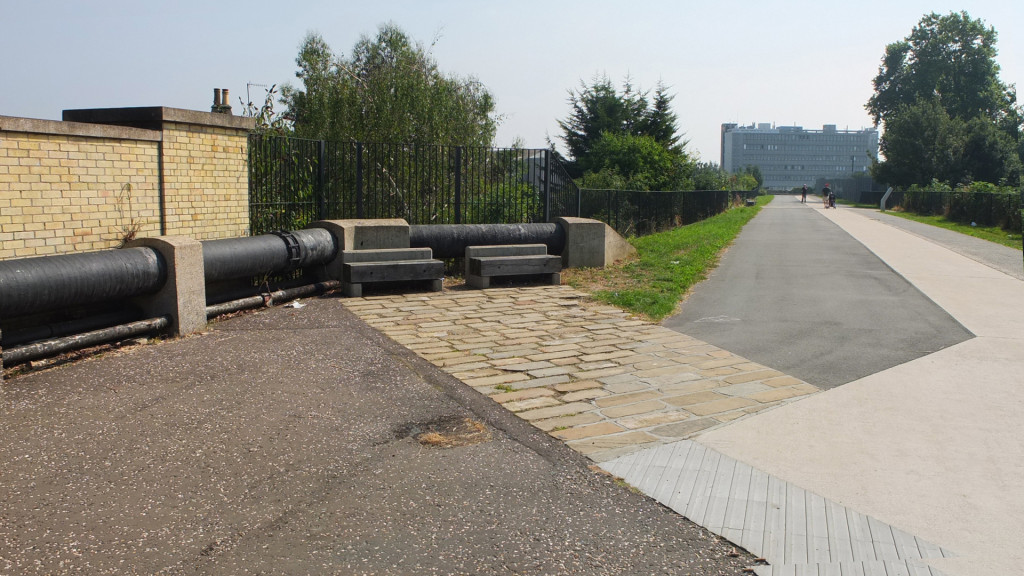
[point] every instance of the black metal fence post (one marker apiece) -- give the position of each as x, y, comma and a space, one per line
546, 192
579, 202
321, 180
458, 184
608, 203
359, 180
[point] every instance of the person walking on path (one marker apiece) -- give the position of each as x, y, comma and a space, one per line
803, 195
825, 193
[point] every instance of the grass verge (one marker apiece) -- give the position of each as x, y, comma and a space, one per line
666, 266
990, 233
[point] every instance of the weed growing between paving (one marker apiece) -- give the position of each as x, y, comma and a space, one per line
667, 264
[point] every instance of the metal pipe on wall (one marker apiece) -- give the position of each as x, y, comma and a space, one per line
451, 240
49, 330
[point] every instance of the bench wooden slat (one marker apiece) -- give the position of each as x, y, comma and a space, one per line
397, 270
386, 255
514, 265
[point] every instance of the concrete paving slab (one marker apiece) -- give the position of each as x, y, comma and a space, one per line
1009, 261
796, 531
929, 446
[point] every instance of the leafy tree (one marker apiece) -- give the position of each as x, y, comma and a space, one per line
922, 143
599, 108
754, 173
991, 154
388, 90
659, 121
626, 161
710, 176
950, 57
267, 120
947, 116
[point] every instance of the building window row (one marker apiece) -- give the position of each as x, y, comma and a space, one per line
853, 149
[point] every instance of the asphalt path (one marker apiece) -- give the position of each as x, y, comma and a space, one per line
301, 441
797, 293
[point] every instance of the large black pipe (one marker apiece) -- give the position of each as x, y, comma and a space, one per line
265, 254
451, 240
45, 283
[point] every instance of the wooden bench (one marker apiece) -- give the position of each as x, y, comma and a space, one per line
485, 262
389, 265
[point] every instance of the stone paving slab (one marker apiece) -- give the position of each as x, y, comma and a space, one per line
605, 382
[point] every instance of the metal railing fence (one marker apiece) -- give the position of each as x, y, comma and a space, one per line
636, 213
293, 182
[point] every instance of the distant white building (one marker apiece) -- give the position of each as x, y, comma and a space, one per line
789, 156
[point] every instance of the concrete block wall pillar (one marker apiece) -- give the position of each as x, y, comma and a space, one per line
183, 296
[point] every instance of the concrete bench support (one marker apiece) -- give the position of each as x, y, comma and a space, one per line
485, 262
359, 267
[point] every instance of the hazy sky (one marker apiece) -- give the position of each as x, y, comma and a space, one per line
785, 62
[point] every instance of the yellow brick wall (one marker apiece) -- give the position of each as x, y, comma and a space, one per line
63, 193
206, 181
74, 187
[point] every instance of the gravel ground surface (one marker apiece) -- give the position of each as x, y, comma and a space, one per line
300, 441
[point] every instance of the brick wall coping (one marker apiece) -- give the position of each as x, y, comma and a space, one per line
37, 126
153, 117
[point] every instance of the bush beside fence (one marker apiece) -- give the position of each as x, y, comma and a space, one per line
984, 208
